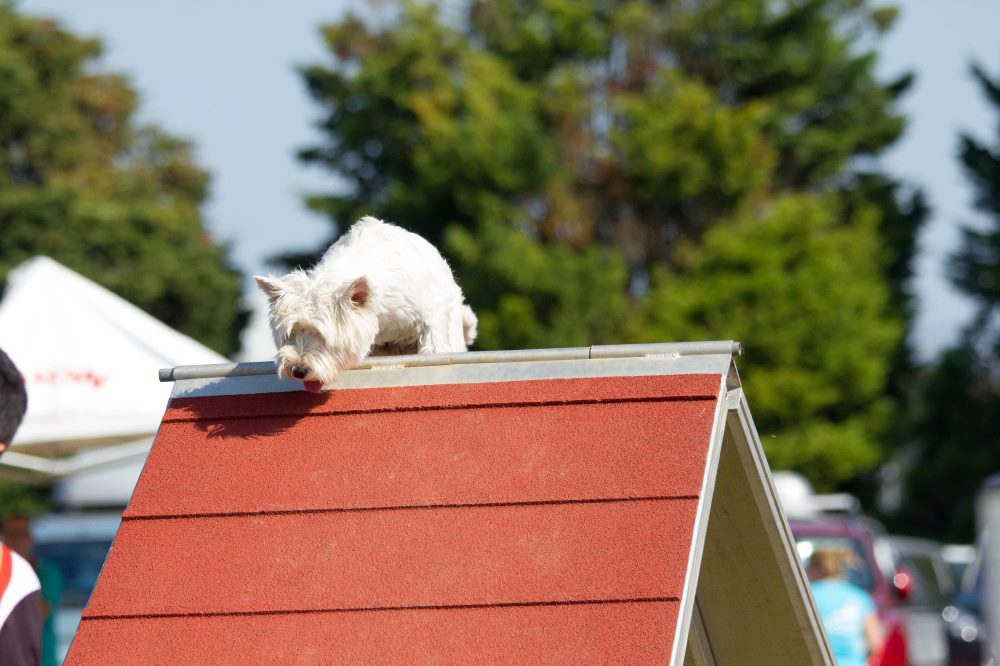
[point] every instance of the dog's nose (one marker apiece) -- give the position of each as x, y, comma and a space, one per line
299, 372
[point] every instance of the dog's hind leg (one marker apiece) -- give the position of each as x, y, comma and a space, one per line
470, 325
456, 329
446, 334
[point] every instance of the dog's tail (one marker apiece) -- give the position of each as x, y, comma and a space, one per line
469, 324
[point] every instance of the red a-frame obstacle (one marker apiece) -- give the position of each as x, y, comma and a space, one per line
596, 505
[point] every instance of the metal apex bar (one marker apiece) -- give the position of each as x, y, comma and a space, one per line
660, 349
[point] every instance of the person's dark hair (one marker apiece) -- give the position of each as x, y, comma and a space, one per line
13, 400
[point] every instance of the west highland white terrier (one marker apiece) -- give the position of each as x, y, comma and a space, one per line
378, 290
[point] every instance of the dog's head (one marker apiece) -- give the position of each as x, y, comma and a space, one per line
319, 329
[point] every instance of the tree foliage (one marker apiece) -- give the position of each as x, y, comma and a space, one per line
817, 374
975, 268
82, 182
554, 293
614, 171
953, 420
18, 498
955, 412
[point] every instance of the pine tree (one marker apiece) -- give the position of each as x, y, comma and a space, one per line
975, 268
582, 163
954, 414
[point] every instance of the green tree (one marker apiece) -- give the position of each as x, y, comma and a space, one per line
82, 182
21, 498
975, 269
553, 292
805, 293
954, 418
582, 162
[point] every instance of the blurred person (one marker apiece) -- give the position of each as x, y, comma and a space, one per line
16, 534
20, 592
849, 613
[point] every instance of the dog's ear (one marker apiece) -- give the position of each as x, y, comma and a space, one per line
359, 292
271, 286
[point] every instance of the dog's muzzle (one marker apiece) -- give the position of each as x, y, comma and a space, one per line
299, 372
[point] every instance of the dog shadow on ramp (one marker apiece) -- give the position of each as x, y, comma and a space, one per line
253, 417
245, 429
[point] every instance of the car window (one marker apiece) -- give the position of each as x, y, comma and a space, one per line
858, 568
926, 584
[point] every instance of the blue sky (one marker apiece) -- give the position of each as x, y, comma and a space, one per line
221, 73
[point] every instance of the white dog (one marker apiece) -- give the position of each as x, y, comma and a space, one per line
379, 289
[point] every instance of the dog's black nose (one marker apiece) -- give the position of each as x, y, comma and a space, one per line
299, 372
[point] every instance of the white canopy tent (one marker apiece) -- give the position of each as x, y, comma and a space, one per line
90, 361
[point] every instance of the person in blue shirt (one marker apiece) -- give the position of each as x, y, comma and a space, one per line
848, 611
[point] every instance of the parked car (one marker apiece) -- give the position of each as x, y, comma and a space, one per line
958, 556
929, 600
968, 644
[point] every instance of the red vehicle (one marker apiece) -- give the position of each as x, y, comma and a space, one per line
888, 590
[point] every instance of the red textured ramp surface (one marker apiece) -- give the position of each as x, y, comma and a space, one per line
527, 522
592, 551
448, 396
625, 633
416, 458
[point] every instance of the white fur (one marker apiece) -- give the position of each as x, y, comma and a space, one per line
380, 287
